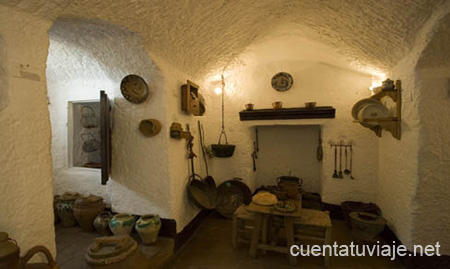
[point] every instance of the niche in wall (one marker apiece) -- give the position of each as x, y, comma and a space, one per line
288, 149
84, 134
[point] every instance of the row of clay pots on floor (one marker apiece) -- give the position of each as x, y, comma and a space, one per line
88, 212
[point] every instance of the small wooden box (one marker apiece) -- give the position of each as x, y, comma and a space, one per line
190, 99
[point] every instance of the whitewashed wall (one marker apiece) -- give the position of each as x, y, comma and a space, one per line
4, 96
182, 208
431, 215
398, 162
25, 138
412, 186
248, 81
84, 58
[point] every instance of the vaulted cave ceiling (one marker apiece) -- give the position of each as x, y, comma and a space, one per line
198, 36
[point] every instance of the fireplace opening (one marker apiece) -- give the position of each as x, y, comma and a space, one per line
288, 150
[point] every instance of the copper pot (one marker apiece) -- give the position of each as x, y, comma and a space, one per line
9, 252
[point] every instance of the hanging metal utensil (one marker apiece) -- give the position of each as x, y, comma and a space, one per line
223, 150
90, 143
257, 139
203, 192
319, 148
208, 179
254, 156
351, 162
335, 174
88, 117
202, 145
346, 171
341, 175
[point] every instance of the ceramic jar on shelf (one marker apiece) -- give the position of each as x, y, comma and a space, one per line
86, 210
122, 224
101, 223
64, 208
148, 227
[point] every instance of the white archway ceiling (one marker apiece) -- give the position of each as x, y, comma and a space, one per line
437, 52
199, 36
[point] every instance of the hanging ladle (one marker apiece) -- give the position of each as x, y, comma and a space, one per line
340, 162
346, 171
351, 161
335, 174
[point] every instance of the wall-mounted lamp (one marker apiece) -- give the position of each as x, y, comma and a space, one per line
376, 84
218, 90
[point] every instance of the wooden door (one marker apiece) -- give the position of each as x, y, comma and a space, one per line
105, 135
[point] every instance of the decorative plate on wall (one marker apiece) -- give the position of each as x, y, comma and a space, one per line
134, 89
282, 81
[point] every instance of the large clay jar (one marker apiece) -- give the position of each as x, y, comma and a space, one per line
86, 210
122, 224
64, 208
148, 228
9, 252
101, 223
115, 252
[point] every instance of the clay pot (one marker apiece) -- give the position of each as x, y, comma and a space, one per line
277, 105
116, 252
9, 252
148, 228
50, 264
366, 226
101, 223
64, 209
55, 211
291, 186
86, 210
122, 224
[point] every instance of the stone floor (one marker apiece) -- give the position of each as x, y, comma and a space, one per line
211, 247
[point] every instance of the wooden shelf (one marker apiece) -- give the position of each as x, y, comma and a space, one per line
390, 124
324, 112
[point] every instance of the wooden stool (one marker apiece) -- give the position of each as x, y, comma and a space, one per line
314, 225
243, 221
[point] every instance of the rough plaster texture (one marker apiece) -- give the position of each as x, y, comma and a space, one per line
4, 96
182, 208
313, 81
410, 196
192, 39
431, 215
26, 169
199, 36
398, 160
84, 58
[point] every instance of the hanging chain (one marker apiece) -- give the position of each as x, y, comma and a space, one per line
223, 105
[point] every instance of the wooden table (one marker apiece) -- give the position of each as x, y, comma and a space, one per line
262, 212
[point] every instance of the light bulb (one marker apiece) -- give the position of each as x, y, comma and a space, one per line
218, 90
